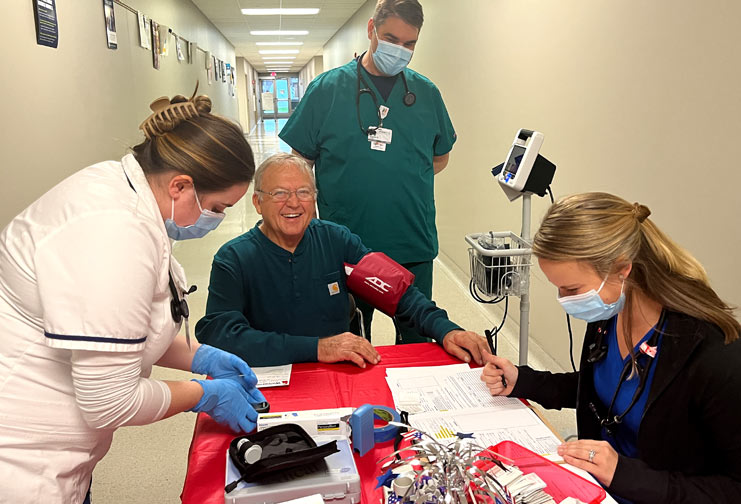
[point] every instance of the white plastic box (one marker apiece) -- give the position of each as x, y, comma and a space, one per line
338, 482
315, 422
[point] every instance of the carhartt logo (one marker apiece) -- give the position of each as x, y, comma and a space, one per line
334, 288
378, 284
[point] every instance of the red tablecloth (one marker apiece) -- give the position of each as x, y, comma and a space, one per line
313, 386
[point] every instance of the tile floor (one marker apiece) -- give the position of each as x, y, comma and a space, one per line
147, 464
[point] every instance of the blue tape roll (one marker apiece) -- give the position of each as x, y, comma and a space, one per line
387, 432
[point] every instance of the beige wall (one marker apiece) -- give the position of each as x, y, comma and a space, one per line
636, 98
314, 67
69, 107
349, 40
246, 97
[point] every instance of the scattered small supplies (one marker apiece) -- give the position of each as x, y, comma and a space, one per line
461, 472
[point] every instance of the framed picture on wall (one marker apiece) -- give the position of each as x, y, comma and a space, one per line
110, 24
155, 44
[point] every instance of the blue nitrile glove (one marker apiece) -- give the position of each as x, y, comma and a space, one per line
227, 402
217, 363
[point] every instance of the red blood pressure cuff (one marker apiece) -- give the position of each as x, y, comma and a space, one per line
379, 281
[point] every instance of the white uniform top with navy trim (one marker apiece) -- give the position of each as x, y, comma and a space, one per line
84, 268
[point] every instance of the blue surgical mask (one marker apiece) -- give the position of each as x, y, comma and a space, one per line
390, 58
589, 306
207, 221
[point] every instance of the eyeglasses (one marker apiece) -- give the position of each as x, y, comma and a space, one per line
280, 195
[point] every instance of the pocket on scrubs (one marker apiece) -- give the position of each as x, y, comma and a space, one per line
332, 302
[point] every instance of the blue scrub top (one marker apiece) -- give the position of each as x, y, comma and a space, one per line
606, 380
386, 197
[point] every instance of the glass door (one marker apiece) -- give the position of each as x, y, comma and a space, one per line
267, 99
282, 97
295, 97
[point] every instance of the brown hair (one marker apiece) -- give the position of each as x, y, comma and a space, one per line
409, 11
185, 137
608, 233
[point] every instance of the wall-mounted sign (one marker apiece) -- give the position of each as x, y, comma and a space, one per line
45, 15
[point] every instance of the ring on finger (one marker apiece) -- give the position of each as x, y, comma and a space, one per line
592, 453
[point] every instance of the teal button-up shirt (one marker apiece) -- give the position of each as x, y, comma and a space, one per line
270, 306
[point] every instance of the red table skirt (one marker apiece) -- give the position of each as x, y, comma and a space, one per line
313, 386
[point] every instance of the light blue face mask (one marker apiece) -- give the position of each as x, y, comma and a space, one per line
390, 58
207, 221
589, 306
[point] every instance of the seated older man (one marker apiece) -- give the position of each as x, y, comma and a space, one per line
278, 294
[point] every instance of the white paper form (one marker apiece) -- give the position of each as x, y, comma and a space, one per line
440, 388
273, 376
490, 425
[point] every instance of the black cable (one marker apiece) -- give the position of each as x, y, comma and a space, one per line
550, 193
492, 336
478, 297
571, 343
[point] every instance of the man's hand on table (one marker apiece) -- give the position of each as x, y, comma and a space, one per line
347, 347
466, 344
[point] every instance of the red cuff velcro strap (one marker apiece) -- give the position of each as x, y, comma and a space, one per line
379, 281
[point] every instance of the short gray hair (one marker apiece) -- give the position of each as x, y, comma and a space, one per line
279, 160
409, 11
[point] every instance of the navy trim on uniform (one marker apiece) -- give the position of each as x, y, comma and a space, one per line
96, 339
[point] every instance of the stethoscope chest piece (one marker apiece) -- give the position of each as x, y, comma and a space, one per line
409, 98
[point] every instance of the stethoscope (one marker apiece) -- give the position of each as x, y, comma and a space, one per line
178, 305
598, 351
409, 99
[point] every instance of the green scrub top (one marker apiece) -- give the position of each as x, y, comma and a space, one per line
386, 197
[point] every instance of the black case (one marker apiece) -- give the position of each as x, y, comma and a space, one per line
284, 446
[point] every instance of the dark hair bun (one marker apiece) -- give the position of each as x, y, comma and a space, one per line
641, 212
202, 103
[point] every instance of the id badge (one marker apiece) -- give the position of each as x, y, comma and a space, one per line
379, 146
380, 135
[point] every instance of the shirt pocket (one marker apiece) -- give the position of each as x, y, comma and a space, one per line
331, 299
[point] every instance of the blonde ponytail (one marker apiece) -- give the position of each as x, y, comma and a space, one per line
607, 232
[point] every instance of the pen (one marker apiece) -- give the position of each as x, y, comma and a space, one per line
493, 348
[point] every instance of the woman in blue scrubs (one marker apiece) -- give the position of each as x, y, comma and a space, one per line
658, 386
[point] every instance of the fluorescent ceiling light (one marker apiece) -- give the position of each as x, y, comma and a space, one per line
279, 43
266, 58
279, 51
279, 32
309, 11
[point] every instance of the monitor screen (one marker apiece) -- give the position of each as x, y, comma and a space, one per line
514, 159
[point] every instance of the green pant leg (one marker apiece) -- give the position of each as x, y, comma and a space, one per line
422, 281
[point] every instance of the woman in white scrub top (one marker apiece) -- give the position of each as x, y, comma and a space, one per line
85, 303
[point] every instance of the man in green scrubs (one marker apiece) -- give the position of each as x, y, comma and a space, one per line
377, 133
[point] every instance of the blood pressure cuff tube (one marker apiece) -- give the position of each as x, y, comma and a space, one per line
379, 281
285, 448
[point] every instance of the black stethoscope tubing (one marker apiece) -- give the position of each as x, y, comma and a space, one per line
409, 99
611, 420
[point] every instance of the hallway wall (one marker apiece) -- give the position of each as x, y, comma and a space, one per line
636, 98
81, 103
